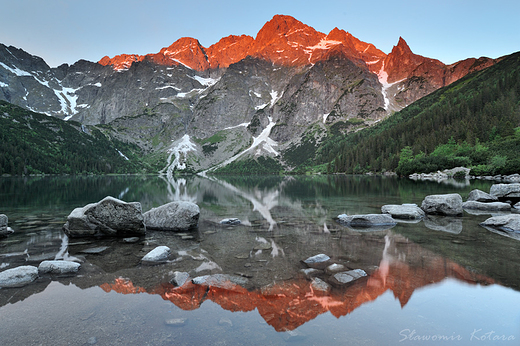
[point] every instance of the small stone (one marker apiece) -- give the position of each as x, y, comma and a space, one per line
334, 268
131, 240
58, 267
231, 222
343, 278
320, 285
319, 261
179, 278
242, 256
159, 254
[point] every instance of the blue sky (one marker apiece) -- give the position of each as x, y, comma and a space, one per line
62, 31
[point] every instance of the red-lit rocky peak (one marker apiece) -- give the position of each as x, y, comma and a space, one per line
401, 63
121, 62
186, 51
229, 50
284, 41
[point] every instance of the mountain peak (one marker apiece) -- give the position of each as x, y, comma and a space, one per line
402, 47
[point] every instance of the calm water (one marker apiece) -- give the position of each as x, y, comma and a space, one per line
440, 281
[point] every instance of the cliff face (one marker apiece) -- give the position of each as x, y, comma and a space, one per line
279, 92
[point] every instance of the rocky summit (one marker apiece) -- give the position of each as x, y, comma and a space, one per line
276, 96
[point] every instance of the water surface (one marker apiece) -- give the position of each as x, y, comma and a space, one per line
441, 280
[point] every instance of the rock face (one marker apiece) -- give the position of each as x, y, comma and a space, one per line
491, 206
58, 267
174, 216
404, 211
481, 196
449, 204
368, 220
109, 217
18, 277
159, 254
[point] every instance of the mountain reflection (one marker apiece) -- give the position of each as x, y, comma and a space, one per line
404, 268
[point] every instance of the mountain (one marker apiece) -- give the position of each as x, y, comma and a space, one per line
473, 122
278, 95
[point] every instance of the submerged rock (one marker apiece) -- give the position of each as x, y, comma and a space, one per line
159, 254
481, 196
109, 217
404, 211
58, 267
491, 206
343, 278
448, 204
18, 277
174, 216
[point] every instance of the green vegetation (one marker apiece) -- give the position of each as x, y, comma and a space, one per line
473, 122
32, 143
261, 165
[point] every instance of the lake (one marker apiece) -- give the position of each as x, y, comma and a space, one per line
442, 280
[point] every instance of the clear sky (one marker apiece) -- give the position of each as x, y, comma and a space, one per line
64, 31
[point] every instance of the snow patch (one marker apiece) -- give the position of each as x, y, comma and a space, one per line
180, 150
275, 97
239, 125
123, 155
382, 75
15, 70
207, 82
325, 116
168, 86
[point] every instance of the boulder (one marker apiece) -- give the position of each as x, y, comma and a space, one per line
334, 268
159, 254
503, 191
506, 223
4, 229
320, 261
481, 196
18, 277
58, 267
448, 204
368, 220
343, 278
174, 216
491, 206
109, 217
404, 211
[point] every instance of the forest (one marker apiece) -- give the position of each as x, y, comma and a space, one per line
474, 122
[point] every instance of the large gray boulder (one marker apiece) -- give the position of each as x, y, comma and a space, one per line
509, 223
174, 216
18, 277
505, 190
491, 206
367, 220
481, 196
448, 204
58, 267
4, 229
404, 211
108, 217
